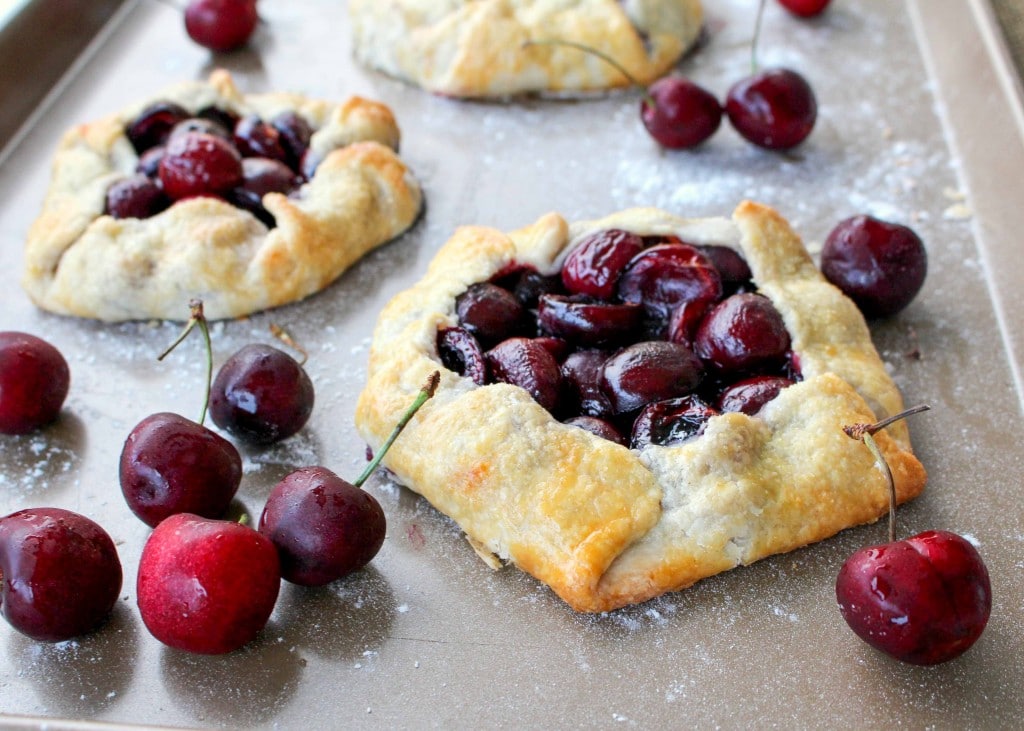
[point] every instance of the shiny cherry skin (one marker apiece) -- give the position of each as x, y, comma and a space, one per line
491, 313
295, 134
323, 527
881, 266
136, 196
775, 108
206, 586
923, 600
598, 427
594, 265
683, 114
221, 25
153, 124
742, 332
669, 422
649, 371
528, 364
581, 376
255, 138
34, 381
664, 276
805, 8
59, 573
461, 353
262, 175
587, 322
198, 163
261, 395
751, 394
170, 464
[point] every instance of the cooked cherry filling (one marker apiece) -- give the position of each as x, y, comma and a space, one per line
212, 153
639, 340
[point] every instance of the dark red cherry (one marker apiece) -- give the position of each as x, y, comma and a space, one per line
261, 394
154, 123
594, 265
323, 527
751, 394
59, 573
530, 285
684, 321
881, 266
490, 312
672, 421
742, 332
558, 348
135, 197
729, 263
528, 364
170, 464
805, 8
683, 114
255, 138
588, 322
295, 133
199, 164
581, 376
667, 275
200, 124
34, 381
461, 353
775, 108
598, 427
649, 371
262, 175
149, 162
221, 25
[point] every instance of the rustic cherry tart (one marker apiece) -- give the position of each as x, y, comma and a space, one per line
475, 48
247, 201
631, 404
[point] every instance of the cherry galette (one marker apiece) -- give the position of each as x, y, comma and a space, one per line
246, 201
632, 404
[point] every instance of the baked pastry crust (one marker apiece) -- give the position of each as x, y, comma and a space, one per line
474, 48
606, 526
79, 261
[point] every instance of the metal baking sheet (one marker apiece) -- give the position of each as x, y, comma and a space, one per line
920, 122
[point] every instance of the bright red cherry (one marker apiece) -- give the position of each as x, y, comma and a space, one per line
221, 25
34, 381
923, 600
679, 113
59, 573
206, 586
805, 8
198, 163
881, 266
775, 108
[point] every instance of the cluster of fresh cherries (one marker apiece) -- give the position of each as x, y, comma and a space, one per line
637, 339
214, 153
221, 25
204, 584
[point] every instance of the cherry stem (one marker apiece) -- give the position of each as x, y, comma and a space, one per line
648, 99
864, 433
197, 318
757, 37
285, 337
425, 393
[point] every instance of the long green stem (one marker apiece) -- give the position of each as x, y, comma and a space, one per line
872, 445
757, 37
197, 318
425, 393
648, 99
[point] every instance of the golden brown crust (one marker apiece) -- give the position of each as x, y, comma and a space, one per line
82, 262
606, 526
474, 48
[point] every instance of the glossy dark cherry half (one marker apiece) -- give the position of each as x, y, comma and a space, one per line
598, 427
256, 138
683, 114
135, 197
672, 421
461, 353
742, 332
154, 123
490, 313
587, 322
34, 381
664, 276
581, 378
751, 394
525, 363
647, 372
775, 108
881, 266
594, 265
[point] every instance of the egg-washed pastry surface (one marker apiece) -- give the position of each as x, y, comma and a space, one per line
254, 243
475, 48
603, 523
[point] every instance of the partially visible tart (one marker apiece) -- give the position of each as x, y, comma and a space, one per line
246, 201
475, 48
617, 462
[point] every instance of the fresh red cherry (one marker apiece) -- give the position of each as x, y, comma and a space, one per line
136, 196
742, 332
206, 586
805, 8
923, 600
199, 164
649, 371
261, 394
775, 108
324, 527
881, 266
59, 573
680, 114
491, 313
34, 381
170, 464
221, 25
594, 265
